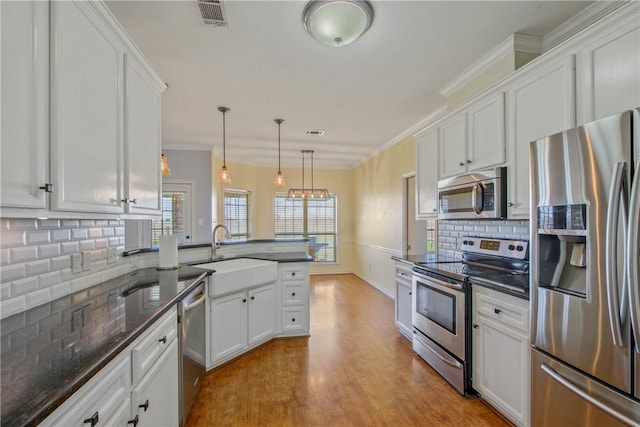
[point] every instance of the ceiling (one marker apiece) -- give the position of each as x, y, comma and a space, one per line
264, 65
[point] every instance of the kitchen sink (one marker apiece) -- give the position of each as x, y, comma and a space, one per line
238, 274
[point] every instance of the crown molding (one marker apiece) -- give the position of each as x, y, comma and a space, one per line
515, 42
580, 21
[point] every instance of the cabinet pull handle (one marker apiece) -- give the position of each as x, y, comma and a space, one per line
510, 204
293, 319
497, 311
410, 293
93, 420
134, 421
127, 200
476, 326
293, 294
461, 164
468, 162
145, 405
252, 297
48, 188
244, 300
163, 340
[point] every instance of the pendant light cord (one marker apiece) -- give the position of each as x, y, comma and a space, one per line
224, 110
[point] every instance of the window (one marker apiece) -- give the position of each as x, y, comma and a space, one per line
314, 219
236, 213
176, 213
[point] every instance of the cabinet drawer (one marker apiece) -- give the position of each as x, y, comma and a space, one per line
403, 272
293, 293
505, 309
102, 397
297, 272
293, 319
156, 339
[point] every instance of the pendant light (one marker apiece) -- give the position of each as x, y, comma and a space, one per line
164, 166
308, 193
224, 177
279, 181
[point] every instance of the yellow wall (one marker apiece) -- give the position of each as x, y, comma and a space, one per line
259, 181
378, 213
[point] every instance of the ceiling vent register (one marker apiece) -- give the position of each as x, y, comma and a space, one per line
213, 12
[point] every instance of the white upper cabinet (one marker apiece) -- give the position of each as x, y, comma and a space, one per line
473, 139
427, 173
86, 106
142, 179
24, 143
608, 69
542, 102
80, 114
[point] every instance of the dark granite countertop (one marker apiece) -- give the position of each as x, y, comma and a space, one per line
280, 256
50, 351
208, 245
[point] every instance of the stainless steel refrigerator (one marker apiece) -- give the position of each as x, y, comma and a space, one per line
585, 291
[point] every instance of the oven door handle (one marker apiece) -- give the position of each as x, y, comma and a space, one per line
451, 363
455, 286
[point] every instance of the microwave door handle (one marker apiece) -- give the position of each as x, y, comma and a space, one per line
477, 204
617, 205
632, 256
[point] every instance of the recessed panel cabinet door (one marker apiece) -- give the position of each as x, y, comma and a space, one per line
142, 142
453, 146
228, 326
427, 174
486, 145
262, 313
86, 107
542, 103
24, 140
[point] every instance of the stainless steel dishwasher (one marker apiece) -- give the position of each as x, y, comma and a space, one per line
192, 345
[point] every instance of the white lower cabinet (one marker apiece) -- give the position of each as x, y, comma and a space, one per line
240, 321
110, 398
501, 352
154, 400
403, 299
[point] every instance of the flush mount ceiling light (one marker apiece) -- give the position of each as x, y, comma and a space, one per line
308, 193
279, 181
224, 177
337, 22
164, 166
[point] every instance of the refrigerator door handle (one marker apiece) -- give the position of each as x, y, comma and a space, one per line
585, 395
617, 204
632, 256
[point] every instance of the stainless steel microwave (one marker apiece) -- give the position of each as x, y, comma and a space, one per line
476, 195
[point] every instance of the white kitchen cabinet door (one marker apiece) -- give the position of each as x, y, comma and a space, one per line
24, 143
86, 110
427, 174
155, 399
542, 103
609, 70
486, 144
228, 328
453, 146
142, 179
262, 314
403, 309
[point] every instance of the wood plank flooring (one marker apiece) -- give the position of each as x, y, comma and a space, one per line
355, 369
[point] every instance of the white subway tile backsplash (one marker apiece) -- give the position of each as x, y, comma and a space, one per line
22, 224
79, 284
49, 251
94, 233
34, 268
119, 231
101, 243
24, 286
4, 256
12, 238
61, 262
49, 279
87, 245
58, 291
71, 223
37, 237
25, 253
101, 222
12, 306
60, 235
108, 232
5, 291
79, 234
12, 272
450, 232
48, 223
114, 241
36, 298
70, 247
87, 223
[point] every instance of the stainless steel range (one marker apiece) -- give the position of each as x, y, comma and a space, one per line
442, 301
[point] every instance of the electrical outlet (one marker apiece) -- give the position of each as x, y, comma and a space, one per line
86, 261
76, 263
112, 255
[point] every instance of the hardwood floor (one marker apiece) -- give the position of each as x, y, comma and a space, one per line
354, 370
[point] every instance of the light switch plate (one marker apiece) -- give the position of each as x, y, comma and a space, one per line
86, 261
112, 255
76, 262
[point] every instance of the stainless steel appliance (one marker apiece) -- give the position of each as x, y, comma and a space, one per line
442, 302
585, 294
476, 195
192, 345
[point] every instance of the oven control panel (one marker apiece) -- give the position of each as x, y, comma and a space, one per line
517, 249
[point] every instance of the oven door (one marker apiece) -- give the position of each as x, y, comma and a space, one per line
439, 312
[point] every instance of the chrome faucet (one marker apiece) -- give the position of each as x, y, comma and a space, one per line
214, 244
